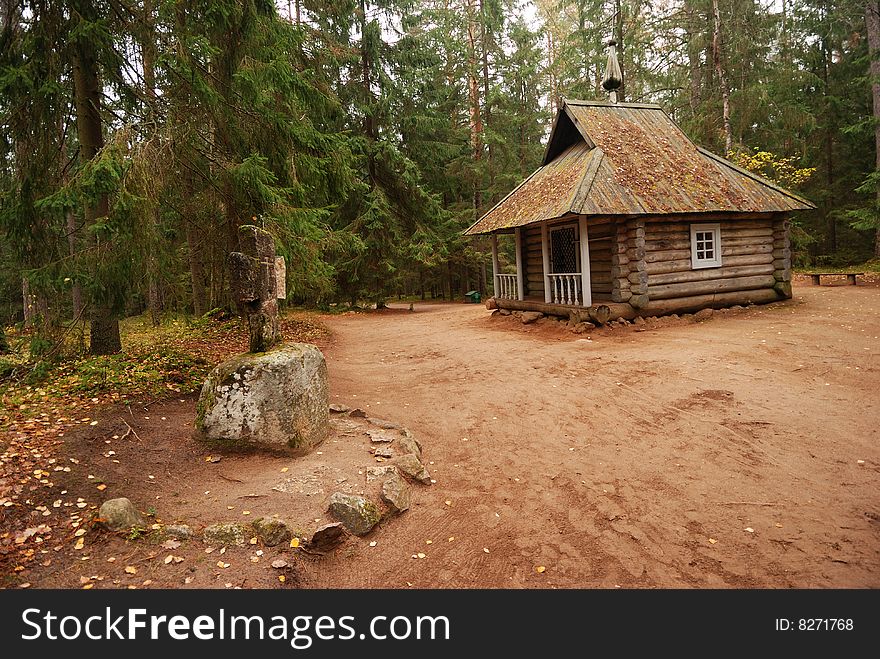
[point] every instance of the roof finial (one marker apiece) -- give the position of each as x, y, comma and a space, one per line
613, 76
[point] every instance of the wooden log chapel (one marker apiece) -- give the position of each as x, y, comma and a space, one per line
628, 213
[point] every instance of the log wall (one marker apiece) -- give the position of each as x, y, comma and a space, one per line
533, 261
754, 256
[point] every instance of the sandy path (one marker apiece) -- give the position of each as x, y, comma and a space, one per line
637, 459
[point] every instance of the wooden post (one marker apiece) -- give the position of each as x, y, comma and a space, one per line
495, 267
520, 288
254, 283
545, 254
587, 300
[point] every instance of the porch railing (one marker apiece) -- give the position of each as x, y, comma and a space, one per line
565, 287
505, 287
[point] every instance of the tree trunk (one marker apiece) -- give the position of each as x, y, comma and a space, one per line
695, 23
105, 337
196, 271
722, 76
872, 21
476, 119
618, 35
487, 122
4, 344
148, 50
828, 205
29, 304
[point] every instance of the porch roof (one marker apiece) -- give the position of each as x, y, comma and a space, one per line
630, 159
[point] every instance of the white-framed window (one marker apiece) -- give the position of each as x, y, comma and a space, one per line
705, 246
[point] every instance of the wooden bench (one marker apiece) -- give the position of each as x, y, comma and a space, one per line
850, 276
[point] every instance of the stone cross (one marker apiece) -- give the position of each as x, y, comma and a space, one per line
254, 285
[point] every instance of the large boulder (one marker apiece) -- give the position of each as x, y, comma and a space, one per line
357, 514
276, 400
120, 515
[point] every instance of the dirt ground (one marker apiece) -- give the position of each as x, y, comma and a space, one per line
740, 452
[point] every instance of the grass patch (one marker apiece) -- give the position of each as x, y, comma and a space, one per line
155, 362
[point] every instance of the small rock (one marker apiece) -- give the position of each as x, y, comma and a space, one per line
120, 515
385, 425
377, 473
396, 493
380, 436
737, 307
357, 514
638, 320
338, 408
409, 444
411, 467
272, 531
225, 533
326, 538
505, 312
358, 413
530, 317
178, 531
674, 316
580, 328
703, 314
496, 312
687, 316
383, 452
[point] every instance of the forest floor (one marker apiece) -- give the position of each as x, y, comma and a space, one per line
740, 452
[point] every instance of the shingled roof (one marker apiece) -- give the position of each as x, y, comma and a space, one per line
630, 159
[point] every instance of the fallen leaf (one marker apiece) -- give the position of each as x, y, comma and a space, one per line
171, 544
79, 544
130, 569
281, 578
749, 529
168, 559
88, 586
102, 487
485, 550
451, 538
540, 569
245, 512
79, 532
712, 541
294, 542
178, 559
83, 580
112, 559
223, 565
448, 502
284, 470
778, 525
373, 543
420, 555
188, 580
